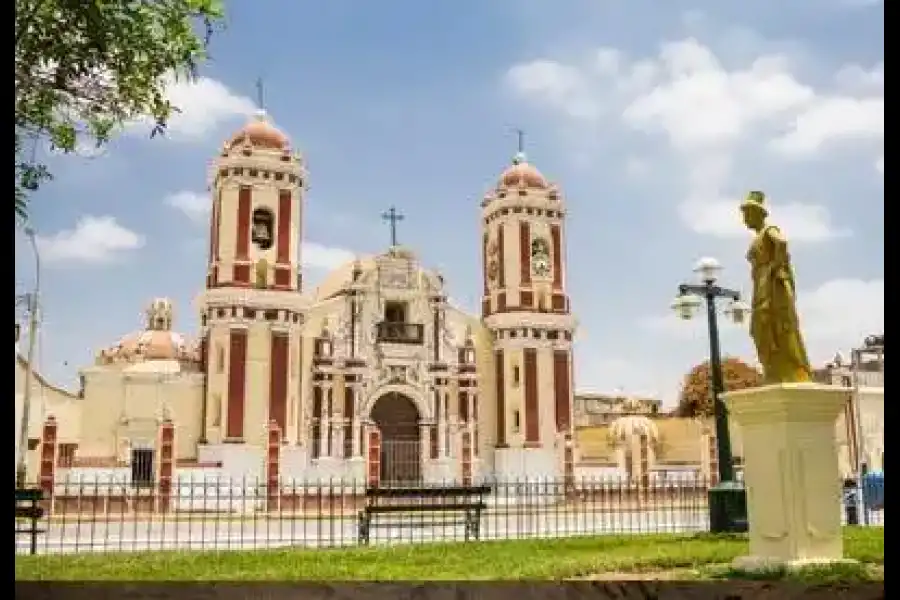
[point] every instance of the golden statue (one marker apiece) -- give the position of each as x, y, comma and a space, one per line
774, 324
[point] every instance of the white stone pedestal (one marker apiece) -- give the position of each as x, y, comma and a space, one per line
791, 473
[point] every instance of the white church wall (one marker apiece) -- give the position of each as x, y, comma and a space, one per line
527, 464
104, 397
213, 490
239, 462
599, 474
93, 480
46, 400
441, 471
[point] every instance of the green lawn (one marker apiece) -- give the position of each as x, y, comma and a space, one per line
513, 559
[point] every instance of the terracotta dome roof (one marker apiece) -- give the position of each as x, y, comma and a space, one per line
150, 345
521, 174
156, 342
260, 133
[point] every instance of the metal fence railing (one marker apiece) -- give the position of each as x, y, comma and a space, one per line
221, 514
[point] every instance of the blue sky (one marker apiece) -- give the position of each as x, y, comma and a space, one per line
654, 118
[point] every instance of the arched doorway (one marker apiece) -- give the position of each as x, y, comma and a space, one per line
397, 417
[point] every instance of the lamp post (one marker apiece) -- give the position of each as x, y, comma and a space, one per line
32, 302
727, 500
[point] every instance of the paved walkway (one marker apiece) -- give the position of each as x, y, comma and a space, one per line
211, 533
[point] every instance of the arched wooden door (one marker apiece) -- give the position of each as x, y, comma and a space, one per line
397, 417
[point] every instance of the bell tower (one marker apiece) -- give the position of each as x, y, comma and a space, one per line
251, 310
526, 307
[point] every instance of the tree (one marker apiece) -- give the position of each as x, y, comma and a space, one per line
85, 68
696, 393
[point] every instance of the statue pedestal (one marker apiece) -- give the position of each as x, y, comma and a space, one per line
791, 473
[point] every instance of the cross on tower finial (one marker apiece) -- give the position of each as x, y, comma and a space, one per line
260, 93
392, 217
520, 147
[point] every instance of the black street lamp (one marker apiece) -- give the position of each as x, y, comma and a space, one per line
727, 499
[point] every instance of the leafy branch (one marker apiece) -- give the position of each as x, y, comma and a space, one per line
87, 68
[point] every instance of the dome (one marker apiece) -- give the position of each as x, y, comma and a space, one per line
521, 174
150, 345
625, 428
157, 342
260, 133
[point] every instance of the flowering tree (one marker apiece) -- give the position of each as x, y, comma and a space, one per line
696, 392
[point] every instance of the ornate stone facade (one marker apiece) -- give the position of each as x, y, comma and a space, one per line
372, 374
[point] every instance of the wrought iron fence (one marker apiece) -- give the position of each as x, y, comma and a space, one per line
222, 514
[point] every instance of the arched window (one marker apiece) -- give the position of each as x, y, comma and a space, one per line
263, 228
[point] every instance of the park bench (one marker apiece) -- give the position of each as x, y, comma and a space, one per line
467, 501
28, 514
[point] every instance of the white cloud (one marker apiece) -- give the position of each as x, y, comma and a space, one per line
709, 112
637, 167
839, 314
855, 77
803, 223
699, 103
92, 240
830, 120
194, 205
317, 256
560, 87
879, 165
203, 104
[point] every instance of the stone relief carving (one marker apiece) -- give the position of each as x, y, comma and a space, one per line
394, 374
397, 272
396, 279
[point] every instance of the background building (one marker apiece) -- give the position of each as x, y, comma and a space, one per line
864, 420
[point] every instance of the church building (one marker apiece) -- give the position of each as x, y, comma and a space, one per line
370, 376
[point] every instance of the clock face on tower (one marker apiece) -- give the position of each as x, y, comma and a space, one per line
540, 258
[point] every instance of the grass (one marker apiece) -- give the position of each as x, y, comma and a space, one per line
698, 556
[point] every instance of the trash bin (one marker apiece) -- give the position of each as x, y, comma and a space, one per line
873, 490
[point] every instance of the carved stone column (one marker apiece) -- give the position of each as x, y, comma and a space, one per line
337, 416
355, 426
425, 440
442, 424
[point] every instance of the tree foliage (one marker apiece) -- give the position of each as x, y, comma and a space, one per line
696, 394
85, 68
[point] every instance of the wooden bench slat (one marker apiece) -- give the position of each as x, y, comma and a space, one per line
397, 508
29, 512
427, 492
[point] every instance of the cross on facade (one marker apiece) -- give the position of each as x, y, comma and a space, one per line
392, 217
260, 97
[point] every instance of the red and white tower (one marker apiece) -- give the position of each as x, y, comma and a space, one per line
251, 310
527, 310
